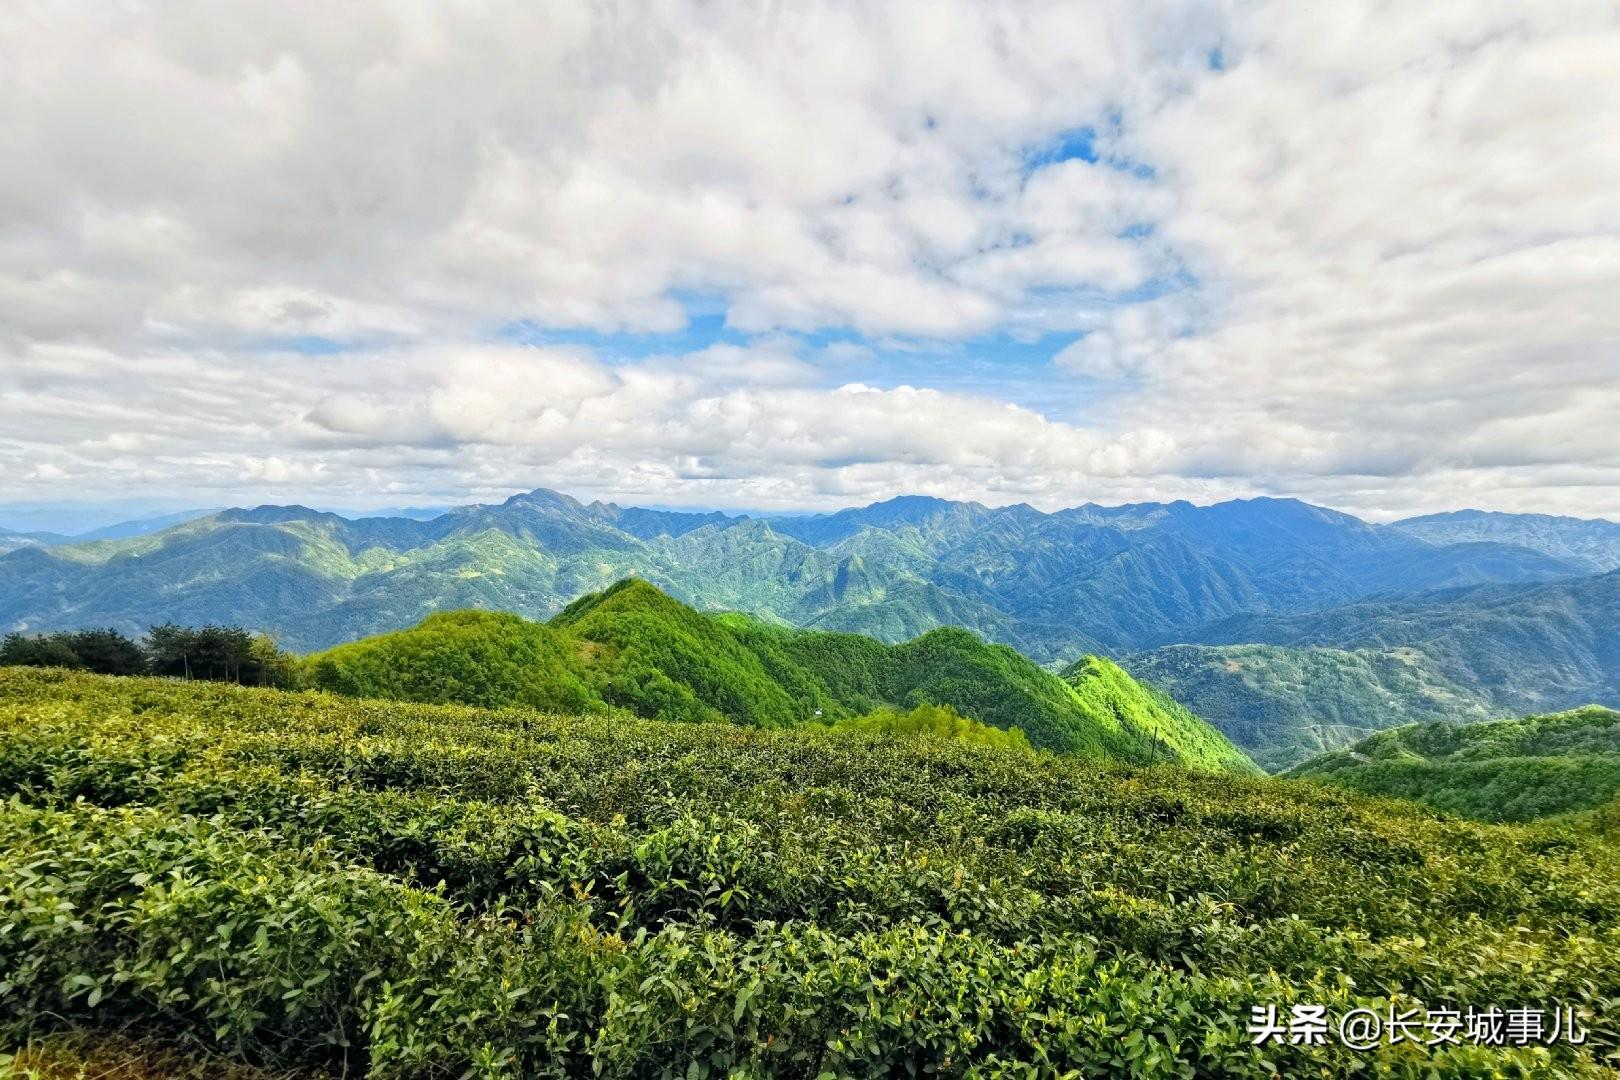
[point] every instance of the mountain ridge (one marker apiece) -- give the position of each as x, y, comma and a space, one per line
1593, 543
1522, 648
1054, 585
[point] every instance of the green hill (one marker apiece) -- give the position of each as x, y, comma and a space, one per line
1176, 733
471, 657
323, 886
1503, 770
631, 647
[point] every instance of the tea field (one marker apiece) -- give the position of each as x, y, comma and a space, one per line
299, 884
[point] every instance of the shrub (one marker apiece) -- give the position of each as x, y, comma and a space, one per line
307, 882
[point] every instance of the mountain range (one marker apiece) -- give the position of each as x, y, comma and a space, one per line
11, 539
1289, 686
1593, 544
1294, 628
1056, 585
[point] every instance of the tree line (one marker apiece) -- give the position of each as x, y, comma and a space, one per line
210, 653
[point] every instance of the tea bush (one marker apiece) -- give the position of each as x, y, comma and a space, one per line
1501, 770
326, 885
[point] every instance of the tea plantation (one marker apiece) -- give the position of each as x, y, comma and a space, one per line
1503, 770
315, 885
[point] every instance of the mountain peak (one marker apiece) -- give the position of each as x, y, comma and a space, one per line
545, 497
627, 594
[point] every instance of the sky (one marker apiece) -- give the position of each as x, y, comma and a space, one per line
810, 255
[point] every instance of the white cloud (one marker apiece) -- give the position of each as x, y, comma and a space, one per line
1372, 260
383, 169
720, 423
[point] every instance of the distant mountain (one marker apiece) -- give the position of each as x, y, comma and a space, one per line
1590, 543
140, 526
11, 541
634, 648
1517, 649
419, 513
1506, 770
1284, 704
1121, 576
1057, 586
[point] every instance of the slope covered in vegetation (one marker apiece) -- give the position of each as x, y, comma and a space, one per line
1504, 770
1521, 649
934, 722
485, 658
308, 882
1175, 733
1285, 704
633, 648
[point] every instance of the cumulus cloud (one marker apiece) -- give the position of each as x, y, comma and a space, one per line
1365, 255
368, 171
713, 426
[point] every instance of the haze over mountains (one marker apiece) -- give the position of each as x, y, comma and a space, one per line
1462, 616
11, 539
1594, 544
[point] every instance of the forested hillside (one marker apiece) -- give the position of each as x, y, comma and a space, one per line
1283, 704
633, 648
1516, 649
1054, 585
316, 885
1367, 626
1505, 770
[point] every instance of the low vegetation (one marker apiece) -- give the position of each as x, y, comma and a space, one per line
934, 722
316, 884
1504, 770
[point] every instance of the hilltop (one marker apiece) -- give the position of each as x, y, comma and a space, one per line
1504, 770
631, 647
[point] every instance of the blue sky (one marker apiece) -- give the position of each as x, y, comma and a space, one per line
998, 366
